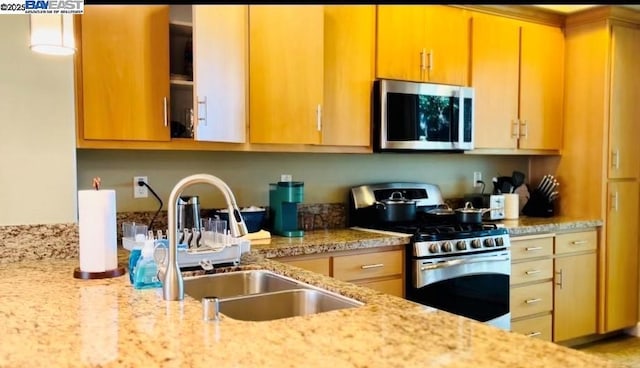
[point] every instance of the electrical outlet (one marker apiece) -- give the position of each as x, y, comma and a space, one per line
140, 191
477, 176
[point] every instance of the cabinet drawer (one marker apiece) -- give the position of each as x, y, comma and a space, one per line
531, 271
531, 299
538, 327
576, 242
392, 286
368, 265
318, 265
529, 248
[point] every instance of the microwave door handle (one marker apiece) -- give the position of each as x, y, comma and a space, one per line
460, 139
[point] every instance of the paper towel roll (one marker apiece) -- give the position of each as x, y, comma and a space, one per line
511, 207
97, 230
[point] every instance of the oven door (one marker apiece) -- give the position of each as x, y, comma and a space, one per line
475, 286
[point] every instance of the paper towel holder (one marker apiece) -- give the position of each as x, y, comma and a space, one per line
85, 275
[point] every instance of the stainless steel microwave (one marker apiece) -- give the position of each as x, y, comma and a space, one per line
422, 116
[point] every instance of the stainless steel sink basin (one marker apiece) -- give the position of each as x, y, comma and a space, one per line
284, 304
224, 285
260, 295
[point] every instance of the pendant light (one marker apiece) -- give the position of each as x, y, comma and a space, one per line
52, 34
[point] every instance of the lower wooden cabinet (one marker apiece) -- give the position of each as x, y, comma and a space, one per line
575, 285
553, 285
538, 327
380, 269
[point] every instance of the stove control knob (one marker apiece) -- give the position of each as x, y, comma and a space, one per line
475, 243
499, 242
489, 242
433, 248
446, 247
461, 245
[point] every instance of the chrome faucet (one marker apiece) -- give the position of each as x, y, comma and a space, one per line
172, 283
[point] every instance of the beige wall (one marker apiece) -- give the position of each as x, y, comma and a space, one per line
327, 177
37, 128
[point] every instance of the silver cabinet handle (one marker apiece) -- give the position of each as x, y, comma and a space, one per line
375, 265
579, 242
614, 201
515, 128
615, 159
166, 111
202, 112
531, 249
533, 334
532, 272
525, 128
319, 117
531, 301
559, 273
423, 60
430, 65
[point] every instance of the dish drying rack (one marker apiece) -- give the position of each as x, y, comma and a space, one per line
227, 252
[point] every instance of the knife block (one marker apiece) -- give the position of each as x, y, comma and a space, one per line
538, 206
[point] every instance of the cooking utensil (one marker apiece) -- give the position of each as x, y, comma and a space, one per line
517, 179
396, 208
470, 215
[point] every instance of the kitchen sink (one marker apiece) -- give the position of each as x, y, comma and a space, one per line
260, 295
284, 304
224, 285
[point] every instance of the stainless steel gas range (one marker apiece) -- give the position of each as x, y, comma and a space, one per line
460, 268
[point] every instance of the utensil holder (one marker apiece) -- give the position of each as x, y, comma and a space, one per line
538, 205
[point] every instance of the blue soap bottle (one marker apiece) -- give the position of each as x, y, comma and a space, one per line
145, 275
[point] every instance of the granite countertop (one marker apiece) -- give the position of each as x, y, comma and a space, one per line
51, 319
537, 225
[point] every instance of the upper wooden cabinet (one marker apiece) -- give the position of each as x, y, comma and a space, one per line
424, 43
123, 67
220, 43
349, 59
624, 150
286, 44
519, 89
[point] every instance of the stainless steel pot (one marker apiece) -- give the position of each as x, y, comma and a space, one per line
470, 215
396, 208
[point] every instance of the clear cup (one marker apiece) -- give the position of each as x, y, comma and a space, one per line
138, 232
214, 232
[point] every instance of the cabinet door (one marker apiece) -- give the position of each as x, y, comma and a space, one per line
575, 296
495, 63
286, 69
621, 254
400, 41
541, 87
125, 72
447, 44
624, 109
349, 44
220, 41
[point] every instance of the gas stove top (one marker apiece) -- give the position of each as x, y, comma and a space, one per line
444, 240
432, 234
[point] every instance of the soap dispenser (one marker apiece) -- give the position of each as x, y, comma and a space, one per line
145, 274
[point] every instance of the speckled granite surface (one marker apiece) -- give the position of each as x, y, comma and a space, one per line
536, 225
38, 242
323, 241
51, 319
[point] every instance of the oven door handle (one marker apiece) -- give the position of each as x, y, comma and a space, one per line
456, 262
